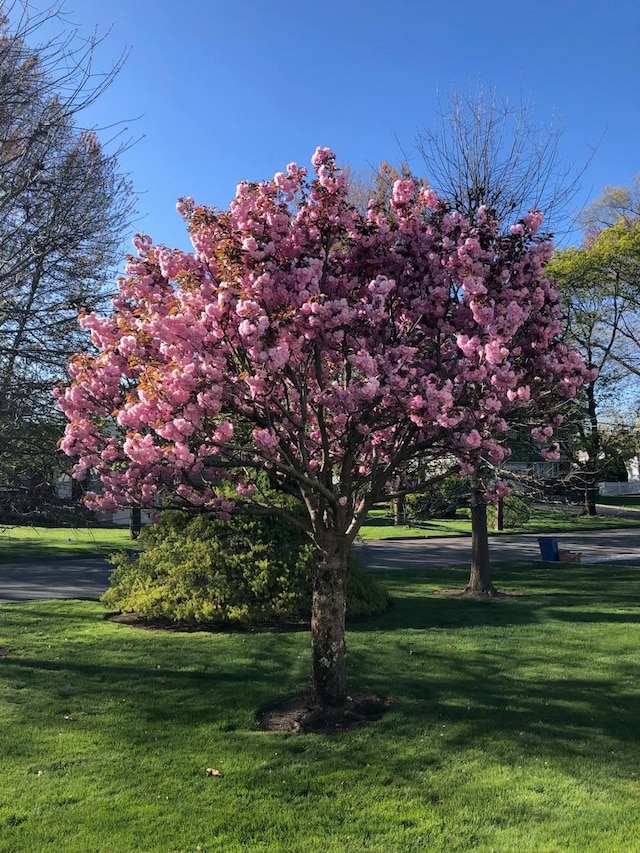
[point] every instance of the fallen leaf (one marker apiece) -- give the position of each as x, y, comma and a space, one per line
211, 771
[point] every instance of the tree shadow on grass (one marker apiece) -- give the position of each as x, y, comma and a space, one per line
613, 617
453, 683
477, 702
223, 694
444, 611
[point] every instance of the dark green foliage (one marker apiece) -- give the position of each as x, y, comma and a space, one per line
247, 570
517, 511
439, 500
365, 595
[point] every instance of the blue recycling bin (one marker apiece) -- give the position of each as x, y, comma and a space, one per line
549, 549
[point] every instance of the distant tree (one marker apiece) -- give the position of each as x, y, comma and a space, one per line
487, 152
64, 206
374, 186
614, 205
329, 348
600, 285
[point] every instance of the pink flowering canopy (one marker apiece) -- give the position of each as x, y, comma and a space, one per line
325, 347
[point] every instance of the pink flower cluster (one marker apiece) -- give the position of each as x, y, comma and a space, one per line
322, 345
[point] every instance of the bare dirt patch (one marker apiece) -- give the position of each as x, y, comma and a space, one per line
299, 715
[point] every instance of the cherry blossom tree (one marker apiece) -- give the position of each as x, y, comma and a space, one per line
322, 350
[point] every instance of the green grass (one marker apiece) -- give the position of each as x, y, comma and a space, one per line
380, 525
561, 521
622, 501
41, 542
513, 728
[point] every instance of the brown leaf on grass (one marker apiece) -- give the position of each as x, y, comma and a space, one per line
211, 771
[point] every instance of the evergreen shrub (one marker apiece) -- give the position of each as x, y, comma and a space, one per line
242, 571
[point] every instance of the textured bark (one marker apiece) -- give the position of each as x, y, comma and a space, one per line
499, 521
590, 497
480, 575
135, 522
328, 646
399, 511
594, 446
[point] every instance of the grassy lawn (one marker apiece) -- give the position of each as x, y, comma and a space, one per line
380, 524
513, 728
561, 521
43, 542
23, 542
623, 501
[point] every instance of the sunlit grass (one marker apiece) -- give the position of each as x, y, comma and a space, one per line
513, 728
43, 542
19, 542
380, 524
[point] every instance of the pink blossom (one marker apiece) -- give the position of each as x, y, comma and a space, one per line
551, 453
471, 440
223, 432
323, 345
266, 441
403, 191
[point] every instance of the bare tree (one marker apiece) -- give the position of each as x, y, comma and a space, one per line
486, 151
64, 206
613, 205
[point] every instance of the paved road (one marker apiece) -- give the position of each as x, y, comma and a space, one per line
27, 580
621, 547
88, 578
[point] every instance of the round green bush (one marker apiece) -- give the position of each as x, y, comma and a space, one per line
243, 571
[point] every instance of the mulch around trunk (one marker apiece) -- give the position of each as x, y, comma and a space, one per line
299, 715
471, 593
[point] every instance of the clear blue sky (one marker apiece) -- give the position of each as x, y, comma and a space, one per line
224, 91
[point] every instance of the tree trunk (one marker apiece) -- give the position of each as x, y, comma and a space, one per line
399, 511
328, 647
135, 522
499, 520
593, 447
480, 575
590, 497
